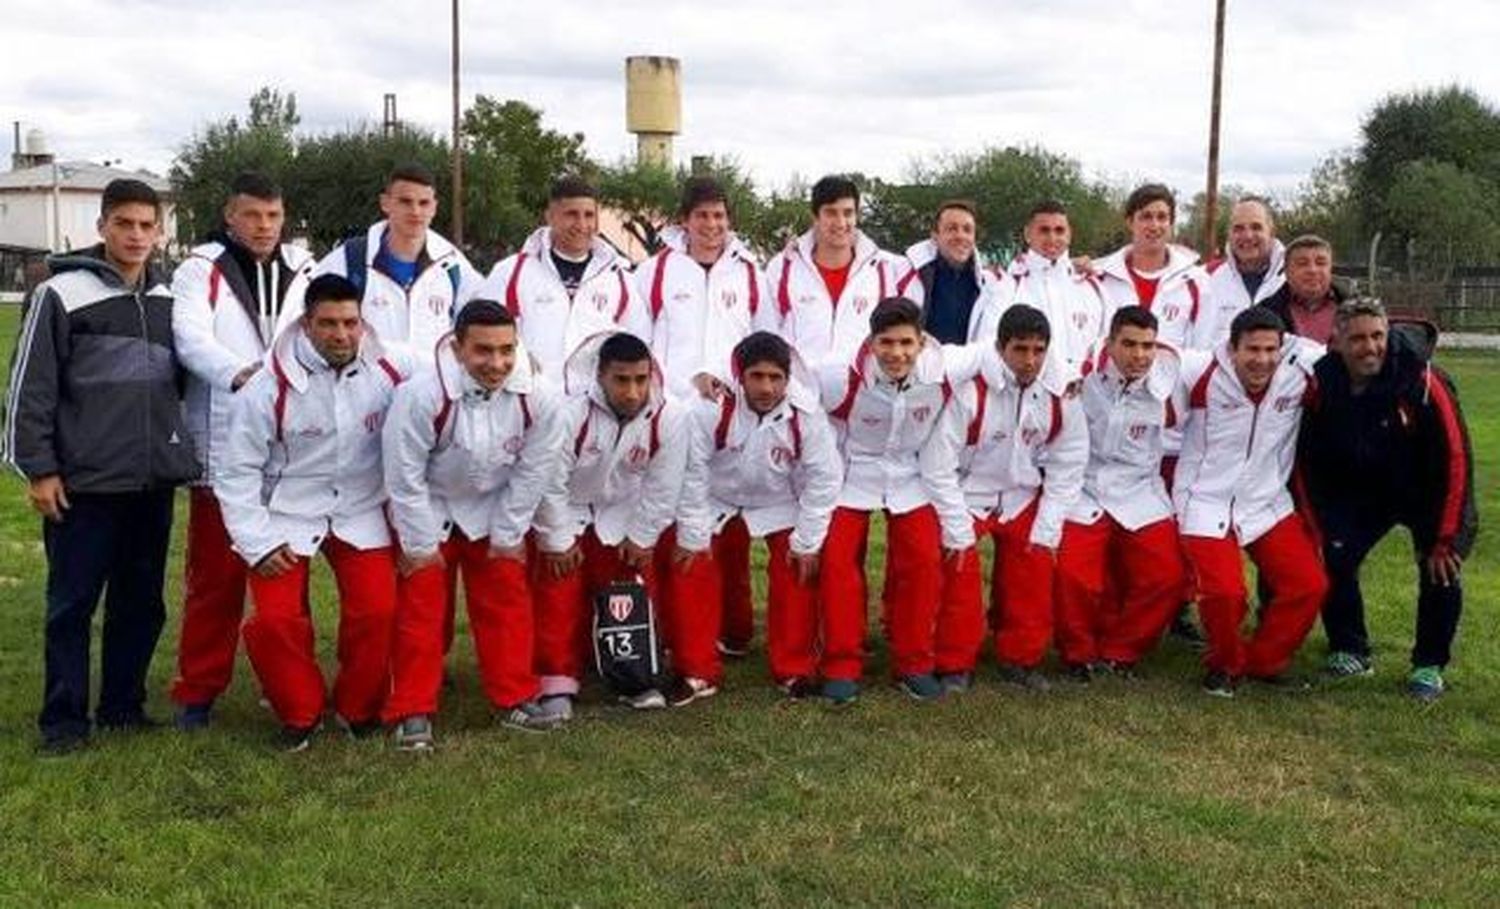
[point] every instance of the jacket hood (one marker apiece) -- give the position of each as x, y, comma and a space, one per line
1275, 265
864, 248
454, 380
284, 363
539, 244
435, 248
92, 260
801, 388
1179, 259
581, 371
919, 254
674, 237
928, 369
1160, 380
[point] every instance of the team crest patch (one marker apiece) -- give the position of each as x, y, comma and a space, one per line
1138, 431
513, 445
1031, 436
638, 456
781, 456
1287, 402
373, 420
920, 414
729, 299
1171, 312
437, 304
861, 304
620, 606
601, 300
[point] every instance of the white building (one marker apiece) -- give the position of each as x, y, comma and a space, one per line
55, 206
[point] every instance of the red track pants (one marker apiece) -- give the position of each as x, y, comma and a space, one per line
213, 607
1023, 585
1116, 589
732, 556
691, 610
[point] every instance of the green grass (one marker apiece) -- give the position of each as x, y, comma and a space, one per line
1124, 794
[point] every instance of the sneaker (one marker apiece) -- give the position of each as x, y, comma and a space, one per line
733, 651
194, 717
1079, 673
361, 729
1185, 631
1342, 664
687, 689
537, 716
415, 734
650, 699
1025, 677
799, 688
841, 692
294, 739
956, 682
559, 706
1219, 684
1425, 683
61, 744
921, 686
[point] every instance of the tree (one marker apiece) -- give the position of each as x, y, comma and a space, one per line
1326, 205
1190, 229
206, 163
337, 178
1450, 214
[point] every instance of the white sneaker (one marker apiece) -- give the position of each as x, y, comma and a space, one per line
688, 689
559, 706
650, 699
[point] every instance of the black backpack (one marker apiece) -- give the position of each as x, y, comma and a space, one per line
627, 649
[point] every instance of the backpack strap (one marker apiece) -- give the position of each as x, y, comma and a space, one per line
513, 288
726, 416
657, 278
976, 425
355, 268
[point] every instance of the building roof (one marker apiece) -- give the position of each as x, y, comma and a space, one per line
76, 175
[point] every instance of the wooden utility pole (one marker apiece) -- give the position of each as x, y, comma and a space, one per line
458, 146
1211, 193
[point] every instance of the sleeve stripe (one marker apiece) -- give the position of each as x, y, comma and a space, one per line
1458, 466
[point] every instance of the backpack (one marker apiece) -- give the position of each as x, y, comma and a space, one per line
627, 648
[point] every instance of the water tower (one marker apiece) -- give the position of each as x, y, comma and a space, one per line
653, 106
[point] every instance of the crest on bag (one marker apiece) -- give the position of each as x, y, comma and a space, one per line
620, 606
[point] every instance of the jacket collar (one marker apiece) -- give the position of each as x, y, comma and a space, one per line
539, 247
1179, 259
288, 366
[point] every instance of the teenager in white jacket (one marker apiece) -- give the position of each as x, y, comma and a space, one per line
764, 463
1021, 465
616, 493
1043, 277
890, 408
566, 285
827, 282
412, 280
302, 475
227, 298
470, 448
1242, 406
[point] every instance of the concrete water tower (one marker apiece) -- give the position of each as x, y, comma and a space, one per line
653, 106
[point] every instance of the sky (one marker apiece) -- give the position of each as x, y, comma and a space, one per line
789, 89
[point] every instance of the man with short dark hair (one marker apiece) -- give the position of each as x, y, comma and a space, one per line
301, 474
1384, 443
1307, 301
411, 279
1043, 276
1253, 268
948, 278
94, 424
1155, 273
828, 281
566, 284
229, 295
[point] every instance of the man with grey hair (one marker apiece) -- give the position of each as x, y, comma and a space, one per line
1384, 443
1252, 270
1307, 300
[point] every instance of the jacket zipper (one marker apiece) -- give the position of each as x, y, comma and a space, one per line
140, 310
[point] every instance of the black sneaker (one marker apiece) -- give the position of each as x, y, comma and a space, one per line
361, 729
194, 717
685, 689
799, 688
130, 722
1025, 677
61, 744
1185, 631
922, 686
295, 739
1219, 684
1117, 668
1079, 673
414, 734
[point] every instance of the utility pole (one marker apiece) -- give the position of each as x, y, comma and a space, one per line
458, 148
1211, 193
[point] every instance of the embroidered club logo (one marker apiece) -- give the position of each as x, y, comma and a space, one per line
920, 414
1080, 320
513, 445
1138, 431
1287, 402
437, 304
373, 419
729, 299
861, 304
1171, 312
781, 456
601, 300
638, 456
1031, 436
620, 606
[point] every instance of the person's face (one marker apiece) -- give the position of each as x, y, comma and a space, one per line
896, 350
1151, 227
1362, 344
834, 224
1133, 350
1309, 271
765, 386
409, 207
574, 223
129, 232
627, 387
1255, 358
256, 223
334, 328
954, 235
1250, 234
488, 353
1049, 235
1024, 356
708, 229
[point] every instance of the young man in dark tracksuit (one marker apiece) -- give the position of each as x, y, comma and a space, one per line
94, 424
1384, 443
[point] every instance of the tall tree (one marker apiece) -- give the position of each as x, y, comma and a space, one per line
207, 162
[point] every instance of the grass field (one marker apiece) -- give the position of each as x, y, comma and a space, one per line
1141, 793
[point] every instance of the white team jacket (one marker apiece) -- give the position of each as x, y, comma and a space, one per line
1018, 443
218, 329
302, 458
1126, 421
899, 441
698, 316
779, 470
1183, 305
1227, 288
984, 319
1237, 454
822, 330
551, 325
410, 321
459, 455
624, 479
1073, 303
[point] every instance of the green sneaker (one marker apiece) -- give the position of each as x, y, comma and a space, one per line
1425, 684
1342, 664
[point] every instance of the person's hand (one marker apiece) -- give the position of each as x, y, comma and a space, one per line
409, 563
48, 498
243, 376
634, 556
516, 553
562, 564
957, 559
1084, 265
1443, 566
707, 386
279, 562
804, 566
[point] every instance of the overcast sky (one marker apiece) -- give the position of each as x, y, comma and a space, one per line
787, 87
